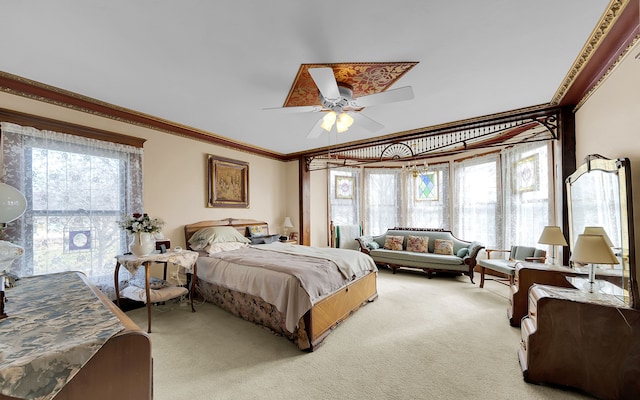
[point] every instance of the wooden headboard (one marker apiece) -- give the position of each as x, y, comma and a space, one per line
240, 224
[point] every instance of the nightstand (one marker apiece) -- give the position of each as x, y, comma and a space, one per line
185, 259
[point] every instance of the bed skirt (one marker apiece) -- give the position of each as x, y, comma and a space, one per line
253, 309
314, 325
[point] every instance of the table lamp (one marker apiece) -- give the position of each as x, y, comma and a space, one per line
552, 235
592, 249
287, 224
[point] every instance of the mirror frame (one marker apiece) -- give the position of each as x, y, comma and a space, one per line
622, 169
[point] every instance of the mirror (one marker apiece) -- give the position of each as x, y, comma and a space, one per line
599, 195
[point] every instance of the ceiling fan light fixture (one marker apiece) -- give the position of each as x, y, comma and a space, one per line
344, 122
328, 121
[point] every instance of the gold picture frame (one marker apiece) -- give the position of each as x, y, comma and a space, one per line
228, 182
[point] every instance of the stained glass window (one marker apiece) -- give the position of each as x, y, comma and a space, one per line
427, 187
527, 174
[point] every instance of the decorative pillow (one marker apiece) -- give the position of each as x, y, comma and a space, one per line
442, 246
215, 234
418, 244
257, 231
223, 246
265, 239
392, 242
463, 252
373, 245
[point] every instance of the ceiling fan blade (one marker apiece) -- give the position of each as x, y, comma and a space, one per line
362, 121
390, 96
316, 131
326, 82
295, 109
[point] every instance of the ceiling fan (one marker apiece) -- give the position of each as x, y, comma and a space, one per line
341, 109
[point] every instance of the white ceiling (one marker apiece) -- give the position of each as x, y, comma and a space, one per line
214, 65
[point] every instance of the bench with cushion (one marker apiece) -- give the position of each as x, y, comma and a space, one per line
508, 267
431, 250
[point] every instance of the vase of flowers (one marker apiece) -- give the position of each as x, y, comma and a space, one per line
141, 226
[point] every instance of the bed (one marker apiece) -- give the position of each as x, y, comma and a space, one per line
267, 282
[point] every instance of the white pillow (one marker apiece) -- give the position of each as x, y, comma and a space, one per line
216, 234
224, 246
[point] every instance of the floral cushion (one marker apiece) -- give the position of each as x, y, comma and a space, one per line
257, 231
392, 242
442, 246
418, 244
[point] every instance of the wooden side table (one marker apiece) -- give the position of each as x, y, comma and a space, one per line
185, 259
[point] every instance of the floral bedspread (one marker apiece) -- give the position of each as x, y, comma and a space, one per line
55, 324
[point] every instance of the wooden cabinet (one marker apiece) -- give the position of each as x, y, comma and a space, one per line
60, 323
588, 341
528, 273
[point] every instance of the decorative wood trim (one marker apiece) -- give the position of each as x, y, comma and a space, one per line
616, 29
19, 86
43, 123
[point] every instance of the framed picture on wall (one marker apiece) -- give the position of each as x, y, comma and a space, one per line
228, 182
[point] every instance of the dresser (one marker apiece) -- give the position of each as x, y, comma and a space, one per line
588, 341
64, 331
528, 273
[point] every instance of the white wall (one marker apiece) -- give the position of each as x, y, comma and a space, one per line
175, 173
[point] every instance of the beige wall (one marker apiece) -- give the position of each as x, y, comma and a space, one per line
608, 123
175, 173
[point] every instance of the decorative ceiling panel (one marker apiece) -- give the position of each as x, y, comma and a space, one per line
362, 78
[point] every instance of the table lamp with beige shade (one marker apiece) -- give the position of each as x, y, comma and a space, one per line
592, 250
552, 235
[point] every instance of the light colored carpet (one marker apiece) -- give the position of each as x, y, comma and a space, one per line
440, 338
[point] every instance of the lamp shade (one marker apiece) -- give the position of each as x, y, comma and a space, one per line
552, 235
287, 223
593, 249
12, 203
598, 230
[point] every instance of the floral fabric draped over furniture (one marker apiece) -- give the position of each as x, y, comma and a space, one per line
77, 189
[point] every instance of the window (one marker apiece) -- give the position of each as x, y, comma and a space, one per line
427, 199
76, 189
382, 200
477, 209
527, 209
344, 196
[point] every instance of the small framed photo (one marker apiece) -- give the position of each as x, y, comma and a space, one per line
293, 236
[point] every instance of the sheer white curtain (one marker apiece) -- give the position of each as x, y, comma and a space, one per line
76, 189
477, 211
526, 195
382, 199
427, 198
344, 196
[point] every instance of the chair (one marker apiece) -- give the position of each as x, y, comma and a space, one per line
507, 267
344, 236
